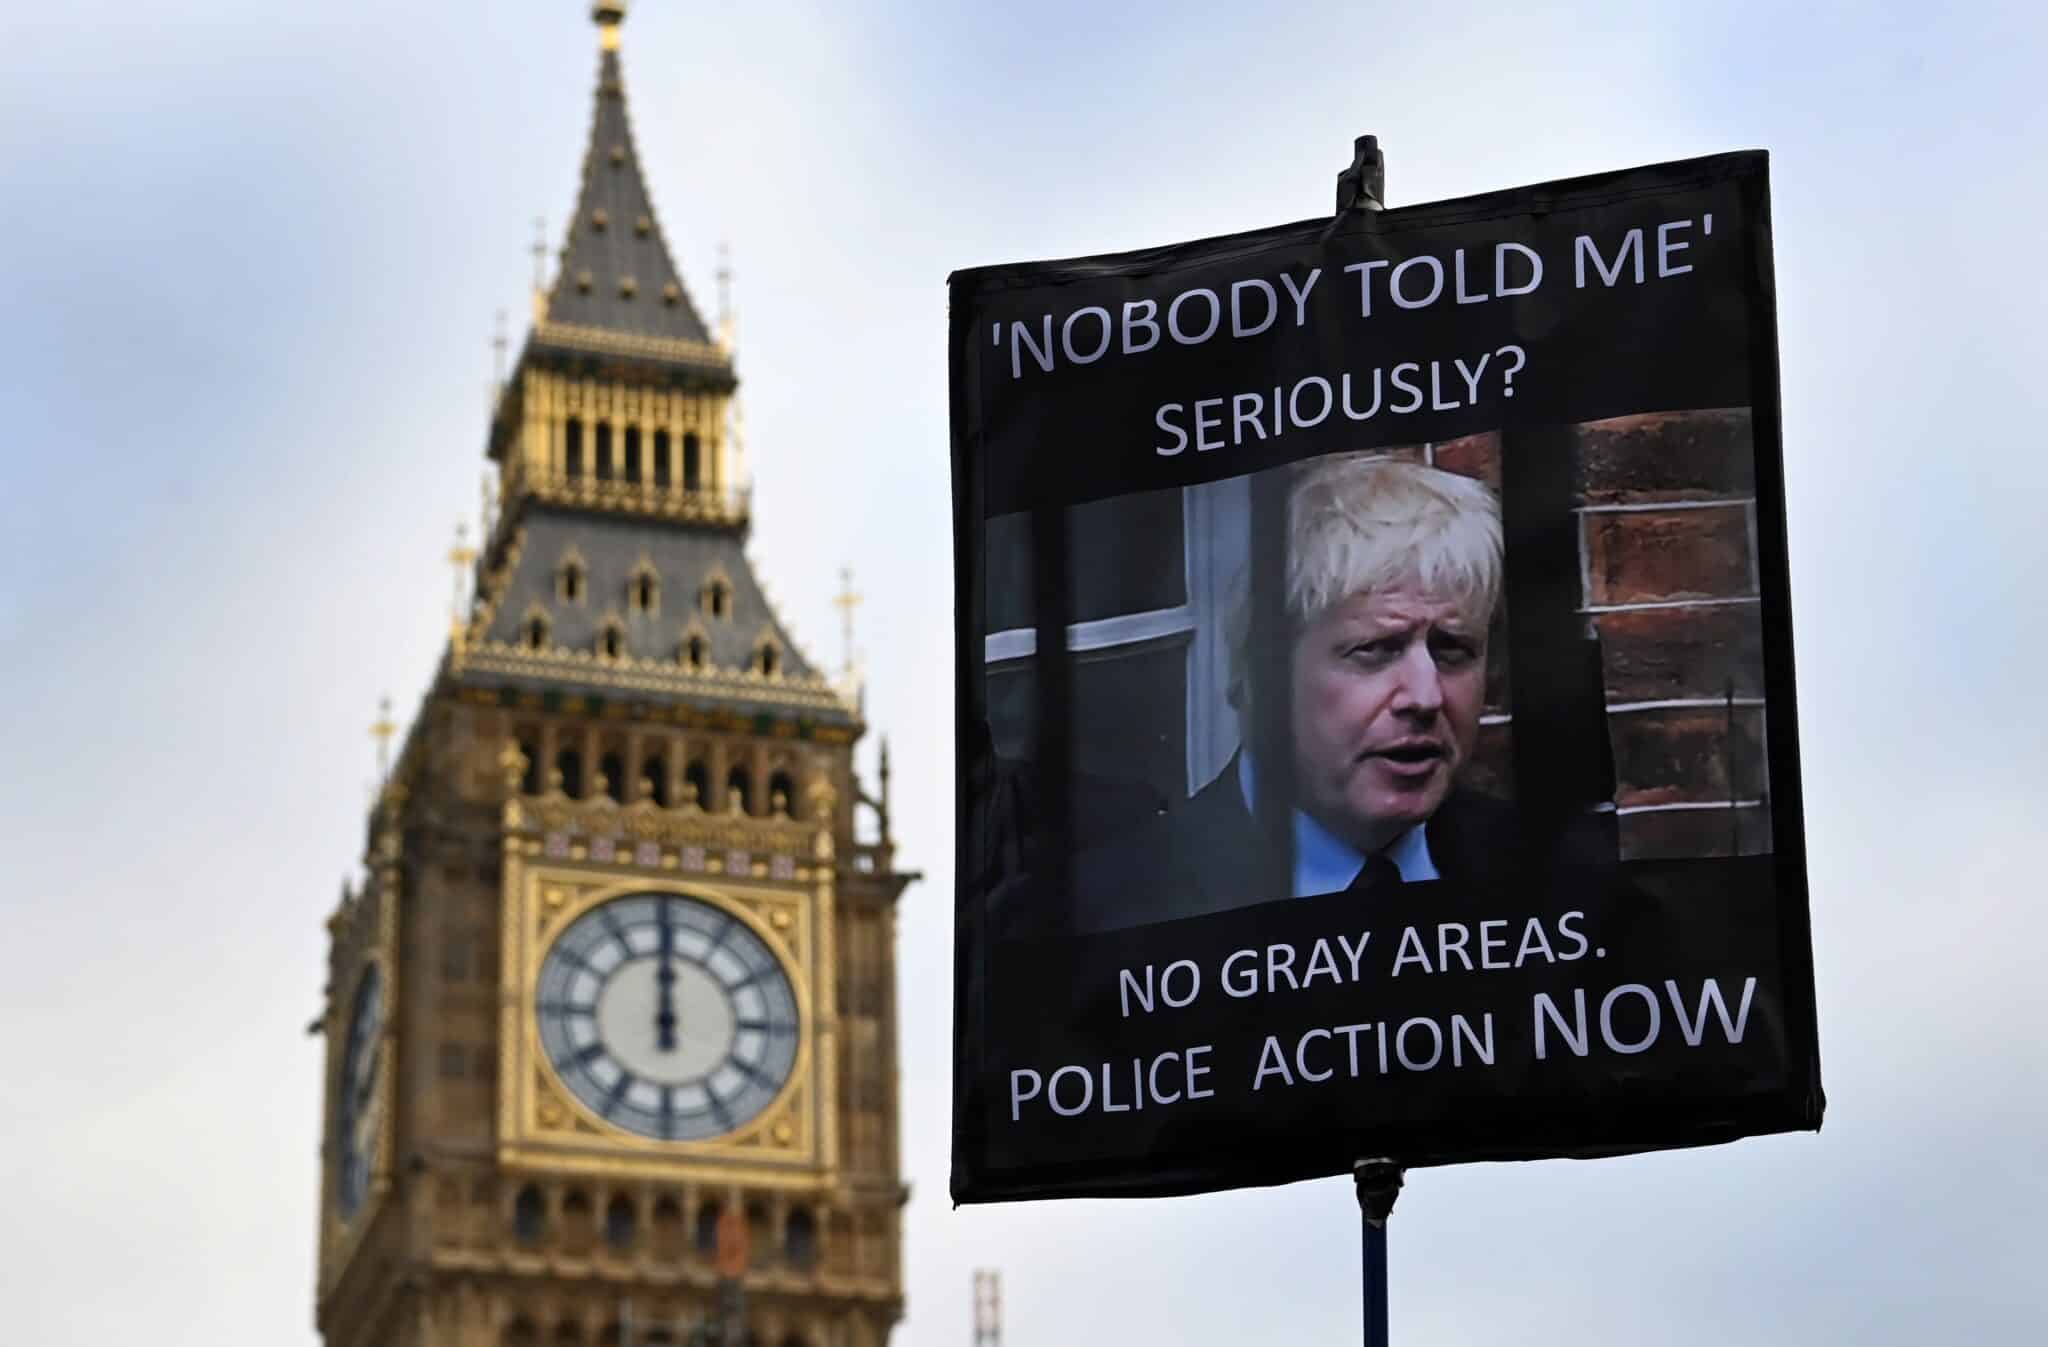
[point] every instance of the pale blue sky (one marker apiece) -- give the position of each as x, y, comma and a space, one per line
251, 256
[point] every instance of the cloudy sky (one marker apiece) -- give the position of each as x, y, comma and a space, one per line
250, 253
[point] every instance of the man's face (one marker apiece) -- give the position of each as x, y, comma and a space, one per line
1387, 692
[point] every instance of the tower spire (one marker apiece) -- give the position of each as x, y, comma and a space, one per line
616, 278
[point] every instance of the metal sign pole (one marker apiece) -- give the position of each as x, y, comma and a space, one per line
1363, 187
1379, 1183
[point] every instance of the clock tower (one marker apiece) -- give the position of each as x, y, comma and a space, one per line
610, 1014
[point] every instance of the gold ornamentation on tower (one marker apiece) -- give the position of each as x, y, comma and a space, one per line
381, 729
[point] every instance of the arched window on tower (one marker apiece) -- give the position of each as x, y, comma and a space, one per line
739, 789
697, 784
633, 454
572, 447
696, 651
604, 451
572, 579
782, 794
654, 779
611, 640
613, 771
661, 468
717, 596
529, 781
693, 463
535, 632
643, 588
800, 1240
529, 1215
619, 1222
706, 1241
768, 659
569, 765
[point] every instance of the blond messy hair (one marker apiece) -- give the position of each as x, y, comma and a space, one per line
1361, 523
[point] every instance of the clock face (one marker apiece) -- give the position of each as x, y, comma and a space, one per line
667, 1017
356, 1114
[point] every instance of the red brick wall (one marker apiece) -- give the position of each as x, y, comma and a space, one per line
1667, 545
1668, 536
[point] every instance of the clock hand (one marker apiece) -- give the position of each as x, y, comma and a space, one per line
665, 978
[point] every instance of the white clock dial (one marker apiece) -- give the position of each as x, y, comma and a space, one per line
667, 1017
356, 1112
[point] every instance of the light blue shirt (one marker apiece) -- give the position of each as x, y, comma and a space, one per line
1325, 862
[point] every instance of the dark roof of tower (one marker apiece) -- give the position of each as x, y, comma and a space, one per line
611, 554
616, 274
612, 551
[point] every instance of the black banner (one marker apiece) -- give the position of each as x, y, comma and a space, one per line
1377, 733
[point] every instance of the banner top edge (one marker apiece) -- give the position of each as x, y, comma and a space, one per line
966, 283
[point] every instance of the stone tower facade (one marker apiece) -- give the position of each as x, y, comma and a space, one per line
610, 1016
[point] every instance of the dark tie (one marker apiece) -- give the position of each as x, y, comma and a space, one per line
1377, 875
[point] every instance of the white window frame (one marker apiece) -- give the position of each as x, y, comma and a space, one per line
1216, 545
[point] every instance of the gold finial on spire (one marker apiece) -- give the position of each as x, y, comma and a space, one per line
540, 269
882, 805
725, 316
608, 15
846, 600
728, 321
460, 557
382, 730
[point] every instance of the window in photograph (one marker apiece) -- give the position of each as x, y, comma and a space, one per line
1151, 576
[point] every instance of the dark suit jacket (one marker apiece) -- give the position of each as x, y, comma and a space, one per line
1205, 856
